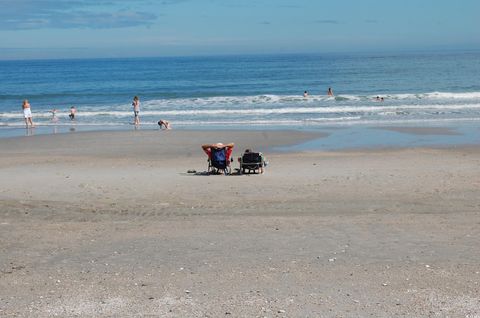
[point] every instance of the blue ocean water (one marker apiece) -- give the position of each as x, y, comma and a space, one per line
247, 91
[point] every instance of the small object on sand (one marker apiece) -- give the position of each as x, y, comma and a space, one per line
331, 259
192, 171
281, 311
427, 266
384, 284
187, 291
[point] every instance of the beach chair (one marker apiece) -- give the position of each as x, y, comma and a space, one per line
252, 162
219, 161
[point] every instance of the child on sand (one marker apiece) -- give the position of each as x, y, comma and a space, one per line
164, 124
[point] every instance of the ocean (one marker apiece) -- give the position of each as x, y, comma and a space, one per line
246, 92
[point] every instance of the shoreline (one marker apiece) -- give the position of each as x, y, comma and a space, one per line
161, 142
330, 138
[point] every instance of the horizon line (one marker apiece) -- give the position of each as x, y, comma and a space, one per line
353, 52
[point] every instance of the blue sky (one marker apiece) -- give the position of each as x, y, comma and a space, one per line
123, 28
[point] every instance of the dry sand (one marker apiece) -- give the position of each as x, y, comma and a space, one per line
110, 224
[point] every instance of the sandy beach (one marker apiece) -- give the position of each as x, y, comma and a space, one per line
111, 224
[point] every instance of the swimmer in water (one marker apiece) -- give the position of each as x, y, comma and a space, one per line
305, 94
330, 92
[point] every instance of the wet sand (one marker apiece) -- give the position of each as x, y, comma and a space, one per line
439, 131
110, 224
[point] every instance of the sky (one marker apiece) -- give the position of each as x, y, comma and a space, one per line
37, 29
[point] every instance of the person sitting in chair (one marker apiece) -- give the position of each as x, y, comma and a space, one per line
256, 160
219, 156
208, 147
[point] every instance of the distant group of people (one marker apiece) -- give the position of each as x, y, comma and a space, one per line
27, 114
330, 93
73, 111
219, 159
163, 124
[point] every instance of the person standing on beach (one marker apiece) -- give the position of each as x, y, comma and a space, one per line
136, 110
27, 113
330, 91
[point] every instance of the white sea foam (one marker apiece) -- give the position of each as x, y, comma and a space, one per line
445, 95
272, 110
384, 109
287, 99
342, 121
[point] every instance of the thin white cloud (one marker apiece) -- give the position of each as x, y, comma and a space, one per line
66, 14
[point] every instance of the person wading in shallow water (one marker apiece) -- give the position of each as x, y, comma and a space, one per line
73, 111
136, 110
27, 113
330, 91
